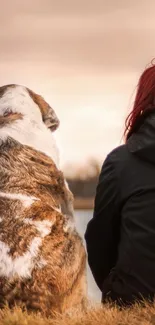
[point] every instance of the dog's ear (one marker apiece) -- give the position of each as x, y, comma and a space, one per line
48, 114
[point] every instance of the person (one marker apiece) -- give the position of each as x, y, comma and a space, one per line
120, 238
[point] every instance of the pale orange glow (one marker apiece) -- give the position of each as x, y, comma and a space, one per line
84, 57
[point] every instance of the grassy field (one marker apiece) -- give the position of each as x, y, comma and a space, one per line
94, 315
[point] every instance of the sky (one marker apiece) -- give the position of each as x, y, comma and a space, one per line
84, 57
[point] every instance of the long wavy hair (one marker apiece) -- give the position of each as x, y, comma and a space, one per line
144, 101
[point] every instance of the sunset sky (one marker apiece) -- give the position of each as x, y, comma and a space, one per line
84, 57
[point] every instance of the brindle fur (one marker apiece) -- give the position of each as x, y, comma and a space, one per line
60, 283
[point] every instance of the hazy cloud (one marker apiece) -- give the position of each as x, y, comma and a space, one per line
103, 34
85, 56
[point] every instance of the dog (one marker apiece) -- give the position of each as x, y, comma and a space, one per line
42, 257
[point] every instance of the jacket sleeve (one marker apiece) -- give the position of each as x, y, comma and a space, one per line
102, 234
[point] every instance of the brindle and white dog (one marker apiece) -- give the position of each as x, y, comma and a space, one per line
42, 258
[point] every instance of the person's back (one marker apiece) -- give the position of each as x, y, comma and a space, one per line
121, 236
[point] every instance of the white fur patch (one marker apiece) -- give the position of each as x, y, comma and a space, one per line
69, 226
41, 263
57, 209
27, 201
31, 130
21, 266
66, 184
44, 227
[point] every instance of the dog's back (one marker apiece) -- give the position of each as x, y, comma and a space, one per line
42, 258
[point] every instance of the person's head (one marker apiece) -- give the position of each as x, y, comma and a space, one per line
144, 101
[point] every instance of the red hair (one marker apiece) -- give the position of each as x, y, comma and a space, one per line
144, 101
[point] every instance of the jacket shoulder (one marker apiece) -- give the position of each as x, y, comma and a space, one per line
120, 153
119, 159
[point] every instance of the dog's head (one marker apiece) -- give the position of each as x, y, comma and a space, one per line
18, 102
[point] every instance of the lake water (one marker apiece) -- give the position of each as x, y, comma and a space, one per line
81, 218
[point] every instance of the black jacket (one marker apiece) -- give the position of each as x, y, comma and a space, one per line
120, 237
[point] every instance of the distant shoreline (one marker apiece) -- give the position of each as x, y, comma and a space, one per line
83, 203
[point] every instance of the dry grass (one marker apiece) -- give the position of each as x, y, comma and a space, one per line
95, 315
